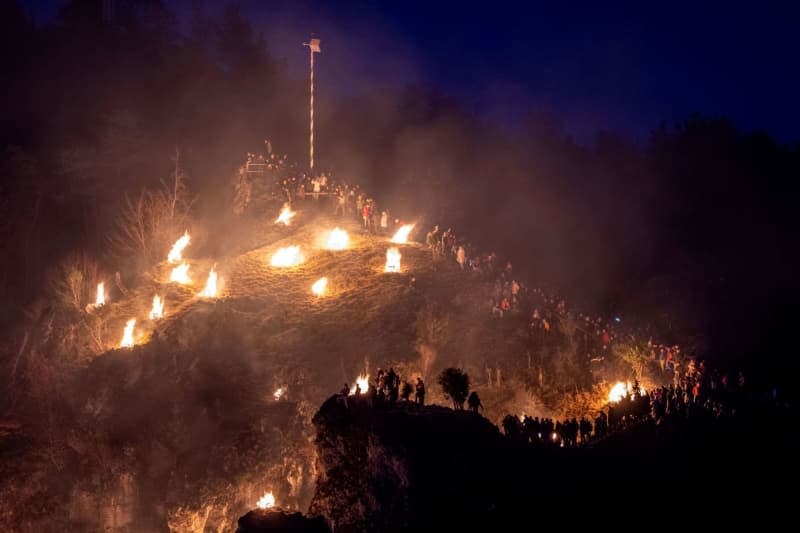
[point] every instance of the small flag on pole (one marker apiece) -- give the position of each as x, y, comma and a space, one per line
314, 44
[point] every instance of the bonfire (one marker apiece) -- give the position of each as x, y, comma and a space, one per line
319, 287
127, 336
362, 383
278, 393
392, 260
285, 216
401, 235
180, 274
157, 310
210, 290
622, 390
287, 257
617, 392
337, 240
174, 255
267, 501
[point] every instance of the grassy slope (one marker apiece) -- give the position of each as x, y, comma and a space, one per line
189, 411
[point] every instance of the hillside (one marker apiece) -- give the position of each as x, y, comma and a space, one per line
183, 428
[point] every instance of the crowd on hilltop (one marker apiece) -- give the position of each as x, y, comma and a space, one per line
273, 178
387, 389
544, 312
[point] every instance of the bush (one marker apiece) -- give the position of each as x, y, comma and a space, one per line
455, 385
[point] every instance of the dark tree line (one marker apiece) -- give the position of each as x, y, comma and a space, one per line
697, 217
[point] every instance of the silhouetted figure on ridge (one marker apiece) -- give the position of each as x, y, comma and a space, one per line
408, 388
420, 392
474, 402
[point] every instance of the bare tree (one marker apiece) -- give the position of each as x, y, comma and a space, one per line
131, 236
147, 225
75, 282
180, 202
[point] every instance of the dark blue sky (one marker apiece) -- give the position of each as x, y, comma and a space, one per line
623, 67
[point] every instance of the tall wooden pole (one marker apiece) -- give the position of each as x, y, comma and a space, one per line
311, 113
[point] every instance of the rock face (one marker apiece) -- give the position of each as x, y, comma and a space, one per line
383, 468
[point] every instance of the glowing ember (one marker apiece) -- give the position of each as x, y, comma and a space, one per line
392, 260
127, 337
267, 501
362, 382
401, 235
319, 286
278, 393
287, 257
618, 391
180, 274
174, 255
337, 240
286, 215
101, 295
210, 290
157, 310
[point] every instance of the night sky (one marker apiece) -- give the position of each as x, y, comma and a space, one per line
623, 68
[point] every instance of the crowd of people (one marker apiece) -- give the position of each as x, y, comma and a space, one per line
692, 387
699, 396
387, 389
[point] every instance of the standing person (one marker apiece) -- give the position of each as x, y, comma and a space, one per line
461, 257
359, 205
340, 204
474, 402
420, 392
317, 185
384, 222
445, 238
365, 215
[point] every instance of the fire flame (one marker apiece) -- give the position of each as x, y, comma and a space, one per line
174, 255
278, 393
362, 382
267, 501
319, 286
158, 308
101, 295
401, 235
210, 290
618, 391
622, 390
127, 336
287, 257
286, 215
392, 260
337, 240
180, 274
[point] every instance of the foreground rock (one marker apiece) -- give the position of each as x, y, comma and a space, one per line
391, 468
259, 521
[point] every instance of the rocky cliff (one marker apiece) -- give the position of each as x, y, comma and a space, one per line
386, 468
405, 467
